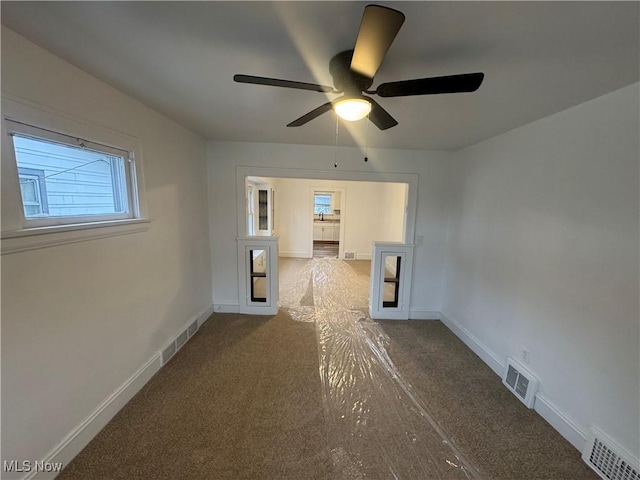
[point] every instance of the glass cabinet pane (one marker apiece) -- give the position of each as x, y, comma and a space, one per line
263, 210
391, 286
258, 273
389, 295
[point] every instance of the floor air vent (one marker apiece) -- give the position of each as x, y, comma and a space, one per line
182, 339
193, 328
168, 352
177, 343
521, 382
349, 255
608, 459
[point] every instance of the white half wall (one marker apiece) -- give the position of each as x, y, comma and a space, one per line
543, 255
431, 169
79, 320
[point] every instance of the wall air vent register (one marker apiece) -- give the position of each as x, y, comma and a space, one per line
521, 382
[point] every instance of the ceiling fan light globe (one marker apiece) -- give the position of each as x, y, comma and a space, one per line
352, 109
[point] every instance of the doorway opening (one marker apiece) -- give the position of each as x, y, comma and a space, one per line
364, 206
327, 221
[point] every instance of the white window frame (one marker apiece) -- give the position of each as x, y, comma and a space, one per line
20, 233
35, 133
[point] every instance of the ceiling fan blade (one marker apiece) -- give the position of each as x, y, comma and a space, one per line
466, 82
275, 82
379, 116
316, 112
378, 28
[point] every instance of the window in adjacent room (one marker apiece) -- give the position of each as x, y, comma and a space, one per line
322, 203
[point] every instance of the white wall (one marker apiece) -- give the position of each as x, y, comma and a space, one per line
80, 319
393, 200
373, 211
432, 169
544, 254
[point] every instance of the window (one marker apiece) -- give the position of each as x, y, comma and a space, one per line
67, 180
61, 188
33, 189
322, 203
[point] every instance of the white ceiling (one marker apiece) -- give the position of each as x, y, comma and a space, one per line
180, 57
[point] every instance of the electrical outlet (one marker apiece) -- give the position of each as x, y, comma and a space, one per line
526, 356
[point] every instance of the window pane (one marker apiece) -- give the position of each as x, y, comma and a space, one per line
321, 209
322, 204
32, 210
73, 181
28, 187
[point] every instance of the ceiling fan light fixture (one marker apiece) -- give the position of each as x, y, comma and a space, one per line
353, 72
352, 109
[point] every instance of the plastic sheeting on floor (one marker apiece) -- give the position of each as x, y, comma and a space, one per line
378, 427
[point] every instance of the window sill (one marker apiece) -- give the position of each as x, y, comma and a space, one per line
42, 237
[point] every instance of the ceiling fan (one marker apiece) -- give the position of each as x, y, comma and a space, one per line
353, 72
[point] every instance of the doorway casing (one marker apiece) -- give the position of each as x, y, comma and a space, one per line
276, 172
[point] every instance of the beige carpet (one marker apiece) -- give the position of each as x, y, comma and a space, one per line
244, 399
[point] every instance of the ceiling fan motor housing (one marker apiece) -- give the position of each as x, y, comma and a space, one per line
344, 79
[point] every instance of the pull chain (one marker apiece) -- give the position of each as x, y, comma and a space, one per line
335, 158
366, 142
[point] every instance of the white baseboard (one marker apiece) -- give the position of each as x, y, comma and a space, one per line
418, 314
80, 436
568, 428
474, 344
363, 256
294, 254
560, 421
226, 308
204, 316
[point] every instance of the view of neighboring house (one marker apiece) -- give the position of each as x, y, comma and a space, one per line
57, 180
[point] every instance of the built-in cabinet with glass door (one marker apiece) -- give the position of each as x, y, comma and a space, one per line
261, 203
